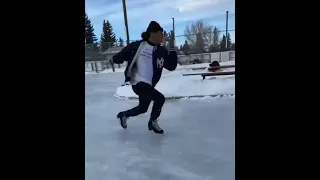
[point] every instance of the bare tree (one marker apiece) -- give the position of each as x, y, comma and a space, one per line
208, 37
168, 39
165, 39
199, 35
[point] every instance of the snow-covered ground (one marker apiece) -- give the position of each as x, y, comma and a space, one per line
175, 85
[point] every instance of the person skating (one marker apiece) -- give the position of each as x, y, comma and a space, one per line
146, 59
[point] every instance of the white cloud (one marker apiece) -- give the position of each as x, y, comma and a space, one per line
141, 12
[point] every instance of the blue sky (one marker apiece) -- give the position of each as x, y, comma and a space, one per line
141, 12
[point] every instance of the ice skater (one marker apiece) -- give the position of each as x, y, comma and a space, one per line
146, 59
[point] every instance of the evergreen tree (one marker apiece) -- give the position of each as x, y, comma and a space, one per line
90, 37
229, 42
233, 46
121, 42
223, 43
215, 41
216, 34
108, 38
186, 47
171, 39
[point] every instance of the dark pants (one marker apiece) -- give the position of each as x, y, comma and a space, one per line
146, 94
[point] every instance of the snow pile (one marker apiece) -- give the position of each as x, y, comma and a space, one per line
205, 98
190, 66
90, 73
122, 69
179, 67
203, 65
173, 85
227, 63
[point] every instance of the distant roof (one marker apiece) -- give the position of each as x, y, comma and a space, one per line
112, 50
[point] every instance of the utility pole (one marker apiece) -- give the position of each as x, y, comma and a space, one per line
227, 29
125, 20
173, 36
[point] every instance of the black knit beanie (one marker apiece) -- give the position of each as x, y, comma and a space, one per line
153, 27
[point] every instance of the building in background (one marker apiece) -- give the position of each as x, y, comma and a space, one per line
99, 61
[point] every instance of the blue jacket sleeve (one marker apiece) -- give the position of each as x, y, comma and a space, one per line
121, 56
170, 60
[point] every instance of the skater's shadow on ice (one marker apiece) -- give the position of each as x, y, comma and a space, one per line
141, 139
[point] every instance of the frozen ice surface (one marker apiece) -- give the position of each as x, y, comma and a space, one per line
198, 144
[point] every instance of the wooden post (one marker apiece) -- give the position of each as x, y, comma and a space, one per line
95, 64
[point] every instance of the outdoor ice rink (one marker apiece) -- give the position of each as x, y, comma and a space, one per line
198, 141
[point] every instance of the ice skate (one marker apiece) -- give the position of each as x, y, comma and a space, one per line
122, 119
154, 126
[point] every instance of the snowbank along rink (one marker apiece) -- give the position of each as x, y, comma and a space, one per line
173, 85
198, 143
